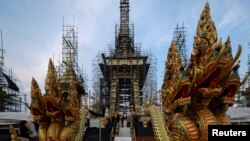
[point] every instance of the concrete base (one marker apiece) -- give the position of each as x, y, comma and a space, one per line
123, 139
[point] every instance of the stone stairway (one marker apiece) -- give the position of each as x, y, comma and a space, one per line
124, 134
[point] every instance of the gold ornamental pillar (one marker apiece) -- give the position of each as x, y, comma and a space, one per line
113, 95
136, 96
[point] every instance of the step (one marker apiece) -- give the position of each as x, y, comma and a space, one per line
124, 132
123, 138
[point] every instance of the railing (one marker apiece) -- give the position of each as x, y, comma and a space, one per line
133, 134
112, 134
117, 128
158, 123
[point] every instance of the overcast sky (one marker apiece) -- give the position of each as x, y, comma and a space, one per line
32, 30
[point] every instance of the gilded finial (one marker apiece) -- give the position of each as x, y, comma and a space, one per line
51, 78
147, 102
34, 84
206, 28
35, 91
85, 104
206, 34
206, 12
172, 52
69, 73
228, 52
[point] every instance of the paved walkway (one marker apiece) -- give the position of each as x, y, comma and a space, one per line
124, 132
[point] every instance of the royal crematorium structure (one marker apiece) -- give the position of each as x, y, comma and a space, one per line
195, 93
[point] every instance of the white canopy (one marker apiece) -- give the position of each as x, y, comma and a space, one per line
239, 114
14, 117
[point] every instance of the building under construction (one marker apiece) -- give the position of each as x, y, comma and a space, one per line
70, 55
11, 99
179, 38
248, 64
124, 75
248, 81
242, 98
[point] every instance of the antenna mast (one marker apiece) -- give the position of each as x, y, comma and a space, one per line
2, 50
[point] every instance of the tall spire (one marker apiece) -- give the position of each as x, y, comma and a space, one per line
206, 29
124, 17
125, 38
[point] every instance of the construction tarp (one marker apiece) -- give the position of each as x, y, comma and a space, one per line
11, 84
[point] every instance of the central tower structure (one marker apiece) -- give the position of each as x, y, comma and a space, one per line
123, 84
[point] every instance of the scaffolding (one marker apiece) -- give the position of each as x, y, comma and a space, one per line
179, 38
70, 53
248, 64
98, 89
248, 81
242, 98
123, 76
11, 99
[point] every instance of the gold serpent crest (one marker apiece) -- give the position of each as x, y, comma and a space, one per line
58, 110
199, 94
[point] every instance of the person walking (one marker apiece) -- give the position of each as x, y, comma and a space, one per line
122, 120
33, 131
24, 131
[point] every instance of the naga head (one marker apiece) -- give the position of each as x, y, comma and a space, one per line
70, 94
51, 96
175, 89
206, 37
36, 106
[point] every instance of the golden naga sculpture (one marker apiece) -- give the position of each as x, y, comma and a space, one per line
58, 110
198, 95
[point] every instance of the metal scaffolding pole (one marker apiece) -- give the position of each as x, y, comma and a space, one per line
11, 99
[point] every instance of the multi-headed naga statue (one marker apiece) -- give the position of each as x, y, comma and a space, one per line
199, 94
58, 111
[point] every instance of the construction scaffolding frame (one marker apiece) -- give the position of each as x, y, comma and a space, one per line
242, 98
11, 99
123, 76
70, 53
247, 90
248, 64
101, 93
179, 38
